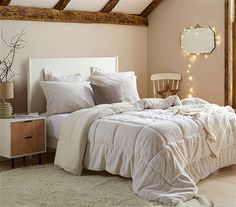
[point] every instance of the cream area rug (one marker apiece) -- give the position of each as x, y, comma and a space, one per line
49, 186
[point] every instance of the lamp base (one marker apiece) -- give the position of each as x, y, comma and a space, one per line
5, 110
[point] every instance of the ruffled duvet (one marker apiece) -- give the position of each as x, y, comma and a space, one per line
161, 144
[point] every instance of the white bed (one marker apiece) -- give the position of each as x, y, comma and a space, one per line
165, 152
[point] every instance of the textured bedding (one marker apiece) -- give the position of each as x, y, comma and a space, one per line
165, 146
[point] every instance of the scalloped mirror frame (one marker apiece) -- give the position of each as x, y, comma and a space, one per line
198, 40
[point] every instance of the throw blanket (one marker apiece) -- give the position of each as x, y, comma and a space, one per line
215, 120
167, 176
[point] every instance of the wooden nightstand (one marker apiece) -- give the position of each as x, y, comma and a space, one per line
22, 137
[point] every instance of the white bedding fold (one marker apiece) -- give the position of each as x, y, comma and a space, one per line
74, 133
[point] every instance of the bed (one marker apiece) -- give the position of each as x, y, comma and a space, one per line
165, 152
35, 99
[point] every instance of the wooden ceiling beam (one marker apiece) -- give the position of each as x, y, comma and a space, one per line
61, 4
54, 15
109, 6
5, 2
150, 8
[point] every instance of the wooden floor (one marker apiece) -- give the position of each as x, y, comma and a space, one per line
220, 187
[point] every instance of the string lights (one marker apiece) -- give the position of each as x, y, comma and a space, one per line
193, 56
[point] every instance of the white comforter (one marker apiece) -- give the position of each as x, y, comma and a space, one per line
165, 152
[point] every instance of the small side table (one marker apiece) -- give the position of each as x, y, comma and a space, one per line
22, 137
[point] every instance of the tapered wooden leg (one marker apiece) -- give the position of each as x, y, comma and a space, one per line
24, 160
12, 163
40, 159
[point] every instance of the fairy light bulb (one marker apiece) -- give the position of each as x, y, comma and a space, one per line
190, 78
218, 37
189, 66
193, 58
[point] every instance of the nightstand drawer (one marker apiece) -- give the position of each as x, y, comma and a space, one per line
27, 137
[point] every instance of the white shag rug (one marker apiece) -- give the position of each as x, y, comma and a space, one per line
49, 186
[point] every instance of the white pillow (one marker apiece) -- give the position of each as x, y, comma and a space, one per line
100, 72
49, 75
65, 97
128, 82
128, 85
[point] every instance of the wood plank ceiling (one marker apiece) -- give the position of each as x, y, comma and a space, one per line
59, 13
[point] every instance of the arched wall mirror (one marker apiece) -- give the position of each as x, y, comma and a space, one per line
198, 40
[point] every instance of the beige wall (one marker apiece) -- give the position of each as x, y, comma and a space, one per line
146, 50
164, 53
78, 40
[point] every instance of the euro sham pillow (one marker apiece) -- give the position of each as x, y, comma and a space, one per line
107, 94
49, 75
100, 72
127, 80
62, 97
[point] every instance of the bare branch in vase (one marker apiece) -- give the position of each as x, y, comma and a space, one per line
17, 42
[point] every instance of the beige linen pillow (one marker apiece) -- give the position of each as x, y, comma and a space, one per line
49, 75
127, 83
62, 97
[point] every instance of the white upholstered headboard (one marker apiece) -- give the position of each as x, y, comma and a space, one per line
61, 66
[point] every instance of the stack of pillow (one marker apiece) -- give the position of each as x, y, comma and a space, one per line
113, 87
65, 94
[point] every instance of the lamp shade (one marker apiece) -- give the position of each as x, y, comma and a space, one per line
6, 90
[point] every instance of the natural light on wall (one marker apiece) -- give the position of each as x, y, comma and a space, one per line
197, 42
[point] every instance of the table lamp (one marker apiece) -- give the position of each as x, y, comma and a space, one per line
6, 92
